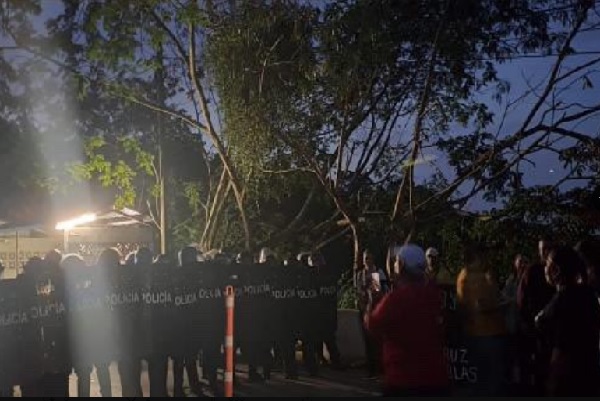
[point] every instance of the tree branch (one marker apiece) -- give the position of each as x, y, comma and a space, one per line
374, 162
286, 171
164, 110
578, 69
212, 134
321, 225
523, 132
572, 134
218, 215
176, 42
328, 241
112, 88
408, 176
152, 215
289, 229
350, 126
562, 55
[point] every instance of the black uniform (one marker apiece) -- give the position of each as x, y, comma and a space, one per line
212, 301
49, 317
82, 314
243, 310
130, 368
185, 355
106, 336
155, 325
311, 319
289, 310
257, 323
328, 291
20, 343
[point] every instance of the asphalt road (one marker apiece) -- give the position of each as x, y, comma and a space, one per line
329, 383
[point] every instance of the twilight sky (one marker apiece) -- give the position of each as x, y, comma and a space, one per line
547, 169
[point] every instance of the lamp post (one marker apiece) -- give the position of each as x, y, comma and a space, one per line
68, 225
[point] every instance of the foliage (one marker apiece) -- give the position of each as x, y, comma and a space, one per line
347, 293
22, 166
119, 169
260, 58
330, 84
311, 115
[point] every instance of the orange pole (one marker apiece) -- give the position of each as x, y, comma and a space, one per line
229, 347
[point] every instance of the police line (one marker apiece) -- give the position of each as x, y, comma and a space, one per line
177, 287
54, 319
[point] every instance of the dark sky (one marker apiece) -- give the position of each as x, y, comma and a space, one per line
547, 169
547, 165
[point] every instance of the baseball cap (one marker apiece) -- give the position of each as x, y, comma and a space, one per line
413, 258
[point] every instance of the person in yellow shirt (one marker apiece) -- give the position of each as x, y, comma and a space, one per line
479, 300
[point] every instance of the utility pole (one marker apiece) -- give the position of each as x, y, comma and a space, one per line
159, 80
163, 216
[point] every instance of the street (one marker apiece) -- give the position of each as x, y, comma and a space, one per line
330, 383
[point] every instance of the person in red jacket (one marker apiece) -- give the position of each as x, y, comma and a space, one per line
408, 322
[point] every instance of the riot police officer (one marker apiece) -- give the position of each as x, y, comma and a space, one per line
108, 261
327, 289
157, 353
130, 364
186, 358
214, 275
289, 318
262, 333
78, 280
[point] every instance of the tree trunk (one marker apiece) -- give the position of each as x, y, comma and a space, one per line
216, 140
357, 251
213, 229
239, 198
211, 213
162, 203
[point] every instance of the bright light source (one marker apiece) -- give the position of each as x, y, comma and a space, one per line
130, 212
84, 219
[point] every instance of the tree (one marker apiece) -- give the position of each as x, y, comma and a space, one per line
129, 73
348, 95
453, 52
276, 104
364, 81
492, 162
21, 163
122, 172
117, 49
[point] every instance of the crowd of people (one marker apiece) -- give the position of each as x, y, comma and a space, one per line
537, 334
268, 333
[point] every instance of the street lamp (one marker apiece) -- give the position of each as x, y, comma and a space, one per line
68, 225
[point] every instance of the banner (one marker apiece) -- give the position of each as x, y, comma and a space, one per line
460, 369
